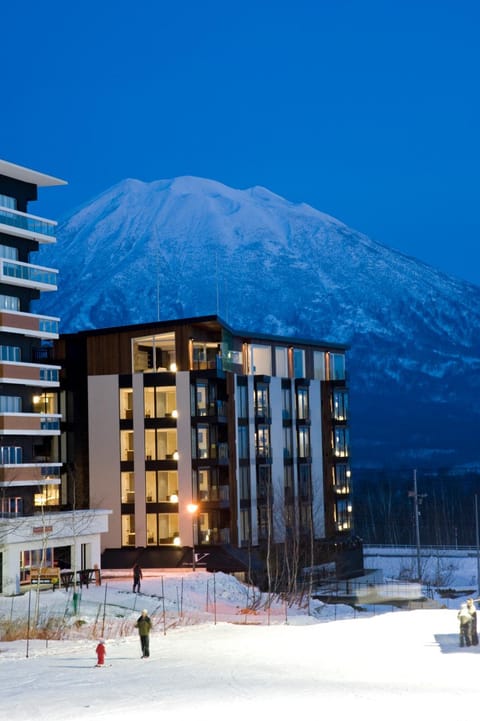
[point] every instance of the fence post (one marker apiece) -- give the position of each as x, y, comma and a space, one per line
105, 609
163, 604
214, 600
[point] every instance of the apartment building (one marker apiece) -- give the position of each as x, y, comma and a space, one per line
33, 531
211, 446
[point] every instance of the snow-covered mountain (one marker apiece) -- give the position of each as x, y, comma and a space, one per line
190, 246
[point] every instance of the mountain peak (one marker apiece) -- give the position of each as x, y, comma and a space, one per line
190, 246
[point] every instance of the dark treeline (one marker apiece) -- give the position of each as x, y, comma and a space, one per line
384, 510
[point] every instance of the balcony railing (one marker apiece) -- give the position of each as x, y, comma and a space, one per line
40, 326
31, 374
263, 452
224, 493
29, 423
30, 223
29, 275
215, 535
217, 408
262, 410
18, 474
219, 451
50, 423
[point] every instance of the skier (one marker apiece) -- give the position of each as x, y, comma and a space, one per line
137, 577
144, 626
465, 619
101, 653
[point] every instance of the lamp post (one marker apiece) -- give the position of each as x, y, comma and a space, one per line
192, 508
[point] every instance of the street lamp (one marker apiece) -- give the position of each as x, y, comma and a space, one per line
193, 508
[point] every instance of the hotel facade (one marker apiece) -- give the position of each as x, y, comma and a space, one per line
212, 447
33, 530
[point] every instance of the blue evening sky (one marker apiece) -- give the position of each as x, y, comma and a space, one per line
366, 109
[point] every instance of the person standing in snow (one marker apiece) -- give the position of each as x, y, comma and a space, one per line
144, 626
473, 613
465, 619
137, 577
101, 652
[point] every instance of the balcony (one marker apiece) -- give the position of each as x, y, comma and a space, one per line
263, 454
28, 324
218, 409
263, 413
29, 474
27, 226
224, 493
30, 424
29, 374
214, 536
232, 360
219, 452
14, 272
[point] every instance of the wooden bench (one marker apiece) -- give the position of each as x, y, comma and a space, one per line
45, 575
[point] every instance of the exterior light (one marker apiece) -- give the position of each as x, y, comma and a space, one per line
175, 413
173, 367
177, 541
175, 455
173, 498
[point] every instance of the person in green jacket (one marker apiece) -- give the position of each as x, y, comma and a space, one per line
144, 626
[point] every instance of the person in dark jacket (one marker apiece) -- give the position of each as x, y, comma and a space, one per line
137, 577
144, 626
473, 613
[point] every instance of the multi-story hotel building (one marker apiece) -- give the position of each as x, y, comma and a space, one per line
32, 530
201, 438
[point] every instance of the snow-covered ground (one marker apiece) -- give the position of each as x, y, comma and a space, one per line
210, 657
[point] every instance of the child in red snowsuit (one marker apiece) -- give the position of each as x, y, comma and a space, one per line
101, 653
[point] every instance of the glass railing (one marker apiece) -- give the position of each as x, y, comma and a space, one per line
222, 451
215, 408
262, 410
49, 375
224, 493
48, 325
50, 424
50, 471
23, 271
27, 222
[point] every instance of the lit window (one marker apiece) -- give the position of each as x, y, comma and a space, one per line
49, 496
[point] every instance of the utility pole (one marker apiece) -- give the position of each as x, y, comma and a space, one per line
478, 543
416, 503
417, 525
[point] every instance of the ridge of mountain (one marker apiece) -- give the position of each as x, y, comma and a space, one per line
189, 246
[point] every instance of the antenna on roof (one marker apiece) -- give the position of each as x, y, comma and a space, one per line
158, 282
216, 279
